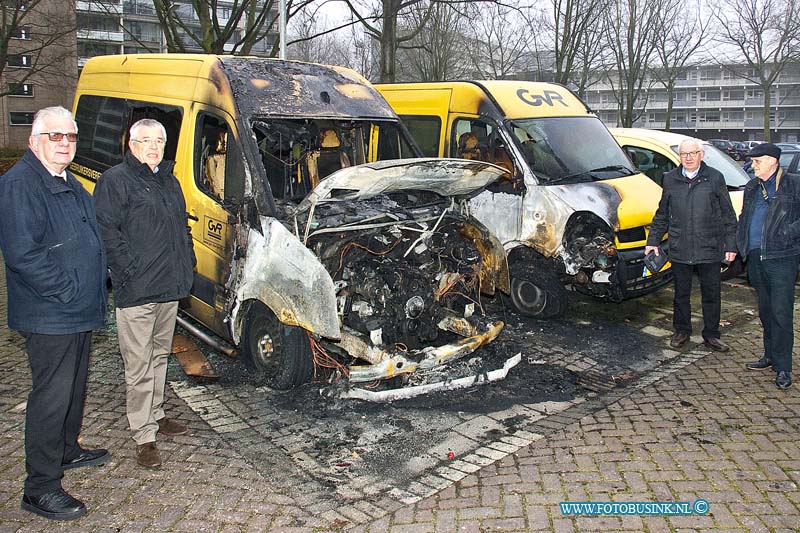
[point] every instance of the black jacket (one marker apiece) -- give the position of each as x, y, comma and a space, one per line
55, 263
699, 217
781, 237
142, 218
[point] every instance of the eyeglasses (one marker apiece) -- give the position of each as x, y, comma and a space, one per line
56, 136
156, 142
694, 154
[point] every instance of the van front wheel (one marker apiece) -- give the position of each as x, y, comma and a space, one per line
537, 293
281, 353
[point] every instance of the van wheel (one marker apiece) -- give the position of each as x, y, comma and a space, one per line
281, 353
732, 270
537, 292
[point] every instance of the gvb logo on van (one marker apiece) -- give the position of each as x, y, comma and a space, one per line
214, 231
548, 97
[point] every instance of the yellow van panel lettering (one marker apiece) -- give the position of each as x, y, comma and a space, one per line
548, 97
83, 171
214, 232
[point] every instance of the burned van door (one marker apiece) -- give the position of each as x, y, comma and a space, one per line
211, 199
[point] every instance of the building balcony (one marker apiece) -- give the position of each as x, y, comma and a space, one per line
102, 7
138, 8
100, 35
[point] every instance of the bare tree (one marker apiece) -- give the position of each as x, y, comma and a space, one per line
33, 41
766, 34
211, 26
437, 52
632, 26
499, 44
572, 26
675, 44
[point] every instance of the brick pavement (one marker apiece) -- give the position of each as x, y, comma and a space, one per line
700, 427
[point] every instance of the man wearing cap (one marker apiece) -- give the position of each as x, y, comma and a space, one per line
696, 210
769, 239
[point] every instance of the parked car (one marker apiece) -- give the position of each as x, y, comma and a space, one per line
790, 160
742, 149
788, 146
655, 152
726, 146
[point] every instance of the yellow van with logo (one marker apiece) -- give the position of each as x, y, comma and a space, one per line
655, 152
316, 242
572, 211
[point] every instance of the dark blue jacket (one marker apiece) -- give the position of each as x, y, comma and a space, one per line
781, 236
55, 263
143, 221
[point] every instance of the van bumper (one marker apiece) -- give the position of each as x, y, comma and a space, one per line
631, 279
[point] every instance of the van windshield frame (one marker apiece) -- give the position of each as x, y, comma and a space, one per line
562, 150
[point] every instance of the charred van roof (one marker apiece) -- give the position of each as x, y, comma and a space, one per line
270, 87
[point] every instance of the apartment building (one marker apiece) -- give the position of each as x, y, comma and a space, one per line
711, 102
92, 28
37, 74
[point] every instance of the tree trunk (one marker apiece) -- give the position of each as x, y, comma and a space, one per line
767, 99
389, 41
670, 98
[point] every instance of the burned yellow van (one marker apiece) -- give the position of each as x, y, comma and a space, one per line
315, 241
572, 211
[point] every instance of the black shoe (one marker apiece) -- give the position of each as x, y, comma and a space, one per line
56, 505
678, 339
86, 458
761, 364
716, 345
784, 379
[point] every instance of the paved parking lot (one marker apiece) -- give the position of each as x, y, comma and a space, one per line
696, 425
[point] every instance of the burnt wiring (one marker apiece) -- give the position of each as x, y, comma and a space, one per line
322, 359
352, 244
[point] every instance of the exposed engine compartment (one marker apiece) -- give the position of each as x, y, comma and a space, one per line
398, 268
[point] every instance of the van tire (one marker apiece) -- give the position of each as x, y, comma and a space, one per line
289, 363
537, 292
732, 270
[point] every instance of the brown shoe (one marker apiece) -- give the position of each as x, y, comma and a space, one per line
679, 338
171, 428
716, 345
147, 455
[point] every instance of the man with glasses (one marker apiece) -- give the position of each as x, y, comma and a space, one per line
56, 281
142, 217
696, 210
769, 239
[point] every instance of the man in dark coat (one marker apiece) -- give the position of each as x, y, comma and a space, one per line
769, 239
696, 210
142, 217
56, 280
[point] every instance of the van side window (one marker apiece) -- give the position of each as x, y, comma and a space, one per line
104, 122
472, 139
210, 155
651, 163
426, 131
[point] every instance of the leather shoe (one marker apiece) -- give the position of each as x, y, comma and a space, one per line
171, 427
716, 345
679, 338
86, 458
55, 505
761, 364
147, 455
784, 379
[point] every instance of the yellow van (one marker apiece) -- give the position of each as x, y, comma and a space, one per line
655, 152
573, 211
374, 270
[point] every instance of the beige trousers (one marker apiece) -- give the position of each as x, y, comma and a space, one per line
145, 340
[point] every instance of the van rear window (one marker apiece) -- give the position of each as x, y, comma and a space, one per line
103, 124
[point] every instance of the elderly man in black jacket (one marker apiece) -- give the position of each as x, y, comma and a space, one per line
56, 279
142, 217
696, 210
769, 239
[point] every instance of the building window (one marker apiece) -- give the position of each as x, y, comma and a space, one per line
22, 89
732, 95
23, 33
712, 96
21, 118
20, 61
709, 116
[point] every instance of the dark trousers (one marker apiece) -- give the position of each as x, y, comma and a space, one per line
773, 280
709, 274
59, 367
